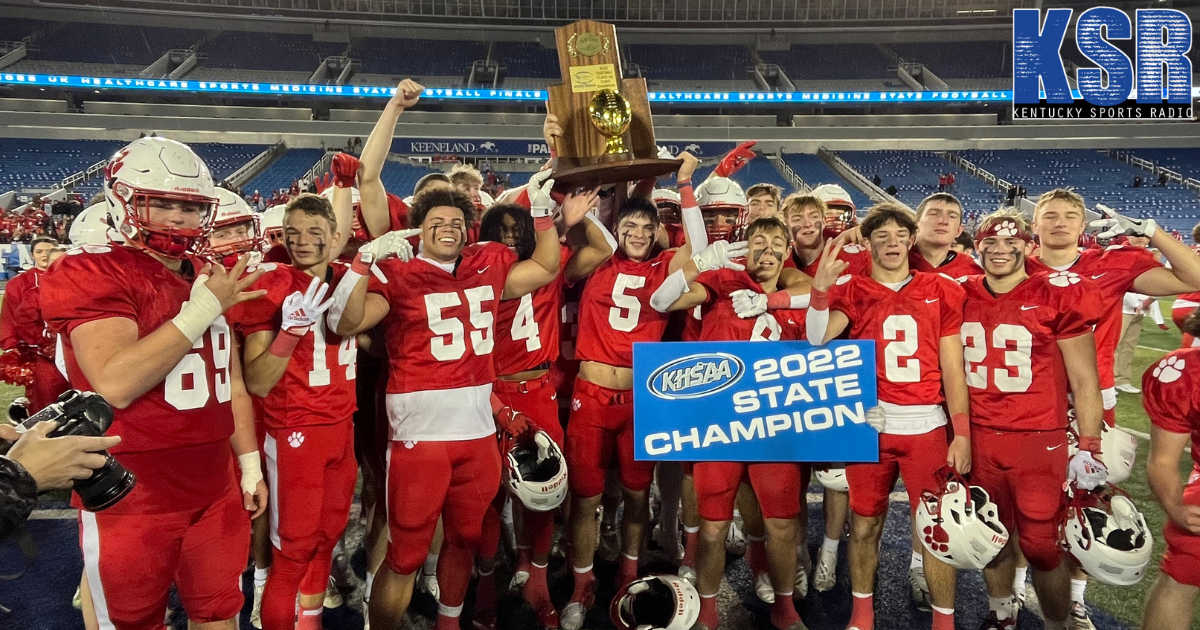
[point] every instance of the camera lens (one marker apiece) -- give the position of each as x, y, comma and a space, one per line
107, 485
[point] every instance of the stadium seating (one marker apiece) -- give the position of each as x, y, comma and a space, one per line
399, 178
285, 170
915, 176
39, 164
418, 57
1186, 162
672, 62
16, 30
839, 61
112, 43
224, 159
961, 60
527, 59
275, 51
814, 172
1096, 176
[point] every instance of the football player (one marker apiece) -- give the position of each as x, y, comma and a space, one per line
706, 281
805, 216
23, 329
1027, 342
1171, 396
939, 224
236, 231
438, 313
762, 200
914, 318
614, 312
1186, 303
142, 325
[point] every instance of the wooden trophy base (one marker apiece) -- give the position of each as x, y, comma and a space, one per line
587, 173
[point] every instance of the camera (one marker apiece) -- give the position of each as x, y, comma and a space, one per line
89, 415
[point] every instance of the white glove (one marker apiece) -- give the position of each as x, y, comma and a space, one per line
540, 202
1086, 471
1113, 224
390, 244
721, 254
748, 304
251, 465
302, 310
665, 154
877, 418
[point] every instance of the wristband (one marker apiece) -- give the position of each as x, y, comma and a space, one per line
198, 313
362, 263
285, 343
961, 423
1091, 444
541, 224
251, 466
778, 300
819, 300
687, 195
686, 182
799, 302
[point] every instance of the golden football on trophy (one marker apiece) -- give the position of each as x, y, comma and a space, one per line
610, 115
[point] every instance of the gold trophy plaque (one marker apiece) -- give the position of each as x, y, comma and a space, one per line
608, 135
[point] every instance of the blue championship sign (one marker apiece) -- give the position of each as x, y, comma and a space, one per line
744, 401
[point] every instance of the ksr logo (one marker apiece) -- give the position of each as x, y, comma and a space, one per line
696, 376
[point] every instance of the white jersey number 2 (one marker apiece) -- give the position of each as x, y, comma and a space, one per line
899, 357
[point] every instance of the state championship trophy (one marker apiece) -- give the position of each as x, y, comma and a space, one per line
608, 135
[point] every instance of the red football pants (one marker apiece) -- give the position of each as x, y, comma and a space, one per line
915, 458
601, 429
776, 485
47, 384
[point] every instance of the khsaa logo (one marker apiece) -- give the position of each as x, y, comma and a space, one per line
696, 376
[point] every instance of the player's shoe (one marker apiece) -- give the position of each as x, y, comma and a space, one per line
574, 613
428, 583
763, 589
77, 600
1080, 618
1128, 389
994, 623
610, 543
688, 573
800, 588
918, 588
671, 545
333, 597
825, 577
519, 578
256, 610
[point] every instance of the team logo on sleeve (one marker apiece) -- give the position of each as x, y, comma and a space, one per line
696, 376
1169, 369
1063, 279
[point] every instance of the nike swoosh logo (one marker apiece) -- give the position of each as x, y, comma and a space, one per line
485, 268
655, 264
931, 301
1028, 308
1051, 448
1097, 276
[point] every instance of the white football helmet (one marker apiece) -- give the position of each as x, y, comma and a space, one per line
669, 204
535, 472
832, 477
91, 227
233, 210
657, 602
841, 209
486, 200
960, 524
272, 225
1107, 534
722, 195
158, 168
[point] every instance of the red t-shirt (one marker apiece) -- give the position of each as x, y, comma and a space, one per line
721, 323
1171, 396
907, 326
1113, 270
440, 330
175, 437
21, 322
397, 218
615, 310
1015, 371
317, 387
527, 330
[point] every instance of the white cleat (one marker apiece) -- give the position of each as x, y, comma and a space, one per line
256, 611
517, 583
800, 587
1080, 618
825, 577
428, 583
918, 588
77, 600
333, 597
688, 573
572, 616
763, 588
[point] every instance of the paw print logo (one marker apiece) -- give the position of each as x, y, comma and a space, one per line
843, 279
575, 404
296, 439
1063, 279
1169, 369
853, 248
936, 538
1006, 228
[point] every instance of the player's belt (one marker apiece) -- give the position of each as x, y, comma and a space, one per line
524, 387
608, 396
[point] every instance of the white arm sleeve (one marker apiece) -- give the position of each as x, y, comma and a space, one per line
693, 225
340, 296
801, 301
815, 324
671, 289
612, 242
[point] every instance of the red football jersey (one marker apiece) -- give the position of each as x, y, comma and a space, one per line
397, 218
441, 329
318, 386
175, 437
615, 310
1113, 270
956, 265
21, 322
907, 326
858, 257
721, 323
527, 329
1015, 371
1171, 395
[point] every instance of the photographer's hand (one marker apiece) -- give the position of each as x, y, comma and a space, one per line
57, 462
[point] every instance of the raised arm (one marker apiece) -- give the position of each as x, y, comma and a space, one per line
372, 195
695, 237
540, 269
1183, 276
600, 244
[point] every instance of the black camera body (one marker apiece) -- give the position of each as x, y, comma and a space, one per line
88, 414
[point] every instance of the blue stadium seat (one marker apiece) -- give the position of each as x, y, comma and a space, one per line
224, 159
961, 60
915, 176
814, 172
282, 172
527, 60
418, 57
1183, 161
670, 62
262, 51
39, 164
112, 43
830, 62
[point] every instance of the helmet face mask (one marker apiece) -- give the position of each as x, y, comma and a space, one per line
236, 229
723, 205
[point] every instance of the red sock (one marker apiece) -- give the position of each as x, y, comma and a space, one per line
690, 541
708, 612
537, 593
627, 571
541, 531
862, 617
445, 622
310, 618
756, 555
485, 600
783, 611
585, 588
943, 620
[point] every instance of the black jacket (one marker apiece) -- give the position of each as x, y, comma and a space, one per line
18, 495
